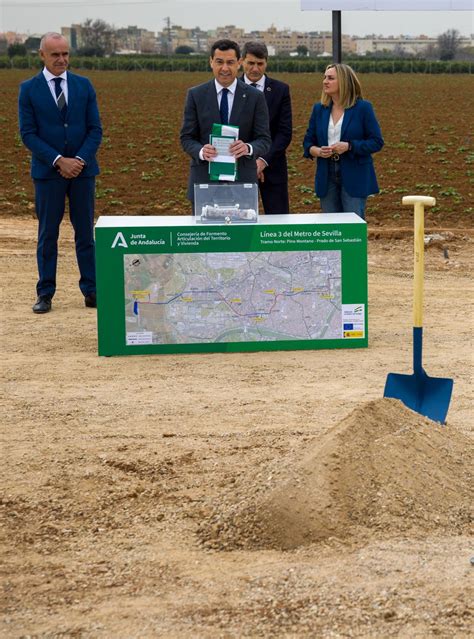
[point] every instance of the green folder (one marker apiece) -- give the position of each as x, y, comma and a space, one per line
224, 168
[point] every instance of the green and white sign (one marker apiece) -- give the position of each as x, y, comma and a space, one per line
170, 285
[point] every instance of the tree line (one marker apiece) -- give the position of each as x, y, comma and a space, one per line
276, 65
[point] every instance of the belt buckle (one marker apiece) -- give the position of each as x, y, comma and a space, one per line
335, 157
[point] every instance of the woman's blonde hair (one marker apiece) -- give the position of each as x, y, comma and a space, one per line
350, 89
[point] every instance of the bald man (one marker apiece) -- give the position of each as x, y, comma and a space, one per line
60, 125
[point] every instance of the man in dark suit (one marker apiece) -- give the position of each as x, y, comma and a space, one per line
60, 125
271, 166
224, 100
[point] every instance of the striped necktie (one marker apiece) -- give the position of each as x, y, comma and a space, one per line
60, 98
224, 108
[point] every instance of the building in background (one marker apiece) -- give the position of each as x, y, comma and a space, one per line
174, 37
132, 39
401, 45
284, 42
74, 35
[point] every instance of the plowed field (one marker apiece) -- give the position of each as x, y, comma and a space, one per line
425, 122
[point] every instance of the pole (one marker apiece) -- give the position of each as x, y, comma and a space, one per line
336, 37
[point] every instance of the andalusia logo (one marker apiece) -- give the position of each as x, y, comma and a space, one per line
119, 241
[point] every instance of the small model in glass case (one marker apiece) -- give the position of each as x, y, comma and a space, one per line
227, 213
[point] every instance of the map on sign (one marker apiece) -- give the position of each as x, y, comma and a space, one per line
185, 298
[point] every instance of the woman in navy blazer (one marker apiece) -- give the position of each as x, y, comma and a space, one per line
342, 134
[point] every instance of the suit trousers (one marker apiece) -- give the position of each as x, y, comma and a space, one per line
275, 197
50, 197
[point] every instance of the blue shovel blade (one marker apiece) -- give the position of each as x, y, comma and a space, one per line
429, 396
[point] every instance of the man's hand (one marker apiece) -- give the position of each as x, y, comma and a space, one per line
238, 149
261, 166
69, 167
208, 152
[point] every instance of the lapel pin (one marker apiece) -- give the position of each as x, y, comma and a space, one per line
269, 88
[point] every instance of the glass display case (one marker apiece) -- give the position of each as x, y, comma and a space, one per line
226, 203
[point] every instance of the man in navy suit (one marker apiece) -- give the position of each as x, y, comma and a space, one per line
245, 108
271, 166
60, 125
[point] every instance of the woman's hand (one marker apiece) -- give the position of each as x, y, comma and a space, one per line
321, 151
340, 147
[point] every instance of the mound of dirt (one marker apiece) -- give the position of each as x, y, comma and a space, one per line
382, 469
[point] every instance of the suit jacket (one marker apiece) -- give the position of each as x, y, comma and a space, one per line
201, 111
361, 129
47, 134
277, 96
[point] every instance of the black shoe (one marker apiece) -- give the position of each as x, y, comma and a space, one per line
90, 300
43, 304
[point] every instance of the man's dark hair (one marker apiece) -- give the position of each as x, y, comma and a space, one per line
258, 49
225, 45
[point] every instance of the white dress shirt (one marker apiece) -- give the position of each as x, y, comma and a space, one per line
260, 84
334, 130
52, 86
230, 94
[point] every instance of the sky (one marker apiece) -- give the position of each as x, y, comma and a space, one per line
39, 16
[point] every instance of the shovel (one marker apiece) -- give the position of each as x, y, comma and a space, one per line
429, 396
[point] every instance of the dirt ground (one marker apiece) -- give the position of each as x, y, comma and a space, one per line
235, 495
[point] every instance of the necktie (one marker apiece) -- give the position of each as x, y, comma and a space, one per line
224, 108
60, 99
254, 84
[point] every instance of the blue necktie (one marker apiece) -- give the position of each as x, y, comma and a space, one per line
60, 98
224, 108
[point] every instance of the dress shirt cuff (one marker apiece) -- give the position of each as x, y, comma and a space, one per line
56, 159
78, 157
263, 160
201, 154
250, 153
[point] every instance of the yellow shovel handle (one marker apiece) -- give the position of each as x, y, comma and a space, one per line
419, 202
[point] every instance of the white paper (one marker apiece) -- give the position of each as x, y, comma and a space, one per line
137, 338
231, 131
222, 147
